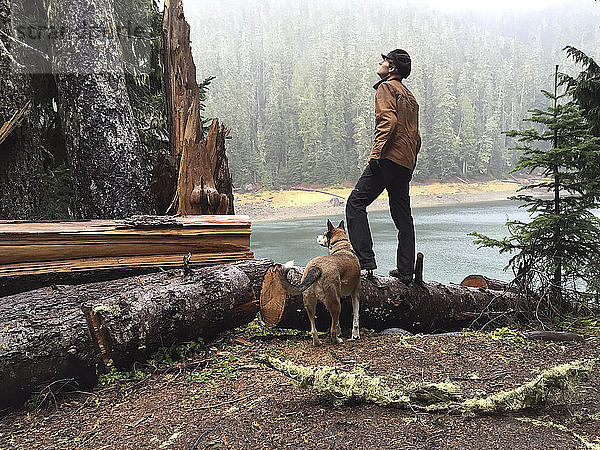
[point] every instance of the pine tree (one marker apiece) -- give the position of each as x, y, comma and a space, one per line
586, 87
560, 246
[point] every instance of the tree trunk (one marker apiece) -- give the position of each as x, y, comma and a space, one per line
204, 185
385, 302
110, 165
21, 156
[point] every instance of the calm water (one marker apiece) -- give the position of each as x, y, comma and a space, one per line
441, 234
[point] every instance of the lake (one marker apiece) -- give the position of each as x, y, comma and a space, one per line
441, 235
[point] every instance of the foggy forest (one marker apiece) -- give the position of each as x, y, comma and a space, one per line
295, 79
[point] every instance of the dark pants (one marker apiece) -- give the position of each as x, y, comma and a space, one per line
395, 178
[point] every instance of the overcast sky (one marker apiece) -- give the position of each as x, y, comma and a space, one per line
501, 5
458, 5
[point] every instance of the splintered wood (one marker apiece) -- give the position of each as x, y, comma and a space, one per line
47, 247
204, 185
10, 125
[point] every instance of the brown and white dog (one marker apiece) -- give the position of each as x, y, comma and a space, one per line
328, 278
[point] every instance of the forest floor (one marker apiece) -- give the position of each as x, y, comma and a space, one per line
220, 397
294, 204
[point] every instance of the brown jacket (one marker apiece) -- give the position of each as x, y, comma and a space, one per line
396, 123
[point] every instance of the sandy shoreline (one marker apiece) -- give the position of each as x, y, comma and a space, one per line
263, 211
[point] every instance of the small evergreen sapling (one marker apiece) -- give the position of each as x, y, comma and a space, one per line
560, 245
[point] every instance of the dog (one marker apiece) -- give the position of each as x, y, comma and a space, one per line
328, 278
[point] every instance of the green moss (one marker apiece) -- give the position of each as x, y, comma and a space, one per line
550, 385
356, 385
508, 335
257, 329
113, 375
221, 368
588, 325
175, 353
112, 309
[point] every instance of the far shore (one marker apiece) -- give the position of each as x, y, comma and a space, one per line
267, 206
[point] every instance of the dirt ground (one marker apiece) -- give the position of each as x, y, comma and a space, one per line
221, 398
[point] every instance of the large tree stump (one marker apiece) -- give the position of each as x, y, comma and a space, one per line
204, 185
387, 303
44, 335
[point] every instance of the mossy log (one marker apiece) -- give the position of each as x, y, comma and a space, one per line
356, 386
385, 302
44, 335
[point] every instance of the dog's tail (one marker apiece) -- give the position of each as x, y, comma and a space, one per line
313, 274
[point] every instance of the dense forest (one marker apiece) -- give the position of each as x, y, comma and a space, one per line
294, 81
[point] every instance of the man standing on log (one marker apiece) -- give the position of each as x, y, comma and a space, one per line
391, 163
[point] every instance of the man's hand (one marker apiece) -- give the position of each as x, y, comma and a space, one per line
375, 165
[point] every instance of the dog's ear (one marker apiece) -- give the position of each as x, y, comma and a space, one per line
329, 225
341, 225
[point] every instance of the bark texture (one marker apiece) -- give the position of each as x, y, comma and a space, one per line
110, 165
21, 156
43, 338
137, 316
385, 302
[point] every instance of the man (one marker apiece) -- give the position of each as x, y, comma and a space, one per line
391, 163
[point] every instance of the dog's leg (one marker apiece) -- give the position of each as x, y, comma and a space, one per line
334, 310
355, 313
310, 303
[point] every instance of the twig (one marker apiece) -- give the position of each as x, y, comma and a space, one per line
227, 403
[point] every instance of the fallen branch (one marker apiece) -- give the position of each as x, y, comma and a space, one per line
558, 336
319, 192
550, 385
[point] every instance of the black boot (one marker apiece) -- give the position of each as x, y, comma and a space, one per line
405, 278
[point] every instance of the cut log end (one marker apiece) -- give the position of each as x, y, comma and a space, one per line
272, 297
481, 281
476, 281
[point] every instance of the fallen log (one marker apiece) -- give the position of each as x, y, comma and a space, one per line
46, 334
557, 336
37, 248
141, 315
387, 303
43, 338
